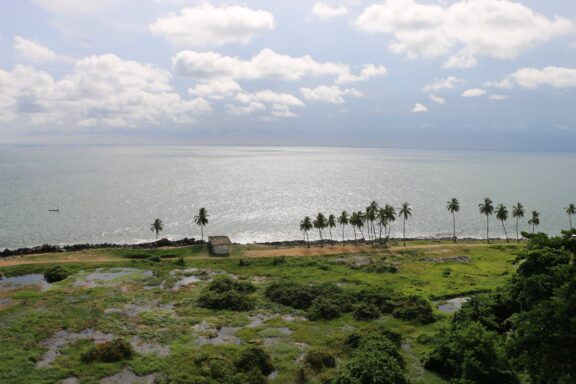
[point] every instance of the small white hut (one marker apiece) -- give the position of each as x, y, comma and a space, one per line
219, 245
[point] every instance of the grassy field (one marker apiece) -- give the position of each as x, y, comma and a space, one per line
146, 297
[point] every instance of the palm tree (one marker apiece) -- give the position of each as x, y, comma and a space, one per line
343, 221
360, 223
354, 220
371, 214
405, 212
571, 210
320, 224
502, 215
453, 206
535, 220
331, 224
486, 208
382, 220
518, 212
202, 220
157, 226
305, 226
390, 217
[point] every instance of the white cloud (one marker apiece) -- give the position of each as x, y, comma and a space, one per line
503, 84
462, 59
267, 64
473, 92
330, 94
216, 88
34, 52
437, 99
498, 97
555, 77
280, 103
419, 108
471, 28
447, 83
101, 92
206, 25
322, 11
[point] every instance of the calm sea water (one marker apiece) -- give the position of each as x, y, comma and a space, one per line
112, 194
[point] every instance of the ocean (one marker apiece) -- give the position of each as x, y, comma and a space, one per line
257, 194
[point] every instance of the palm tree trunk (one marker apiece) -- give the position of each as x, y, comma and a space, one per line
342, 233
517, 238
404, 232
320, 232
330, 229
487, 230
454, 222
362, 233
354, 228
533, 227
570, 218
202, 231
505, 233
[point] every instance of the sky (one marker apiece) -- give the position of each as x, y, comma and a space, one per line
458, 74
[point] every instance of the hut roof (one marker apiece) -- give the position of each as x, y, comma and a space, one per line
219, 240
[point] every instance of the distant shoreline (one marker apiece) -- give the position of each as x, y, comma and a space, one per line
48, 248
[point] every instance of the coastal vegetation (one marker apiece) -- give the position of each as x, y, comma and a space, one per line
157, 226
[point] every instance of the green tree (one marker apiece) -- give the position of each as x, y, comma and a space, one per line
390, 217
331, 224
405, 212
320, 223
535, 220
571, 210
305, 226
361, 222
357, 221
371, 216
382, 221
518, 213
201, 220
157, 226
453, 206
343, 220
502, 215
486, 208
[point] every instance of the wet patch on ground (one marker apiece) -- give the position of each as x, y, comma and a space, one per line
22, 281
62, 338
126, 376
109, 277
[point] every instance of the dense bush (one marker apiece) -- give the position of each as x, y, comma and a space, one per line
225, 293
318, 359
380, 267
302, 296
108, 352
471, 353
255, 358
376, 360
55, 274
324, 308
383, 299
414, 308
365, 311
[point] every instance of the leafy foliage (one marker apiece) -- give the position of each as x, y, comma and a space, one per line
109, 352
225, 293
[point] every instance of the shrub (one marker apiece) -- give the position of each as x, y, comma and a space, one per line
55, 274
381, 268
384, 300
365, 312
279, 260
414, 308
155, 258
255, 358
291, 294
108, 352
226, 284
446, 272
318, 359
180, 262
231, 300
324, 308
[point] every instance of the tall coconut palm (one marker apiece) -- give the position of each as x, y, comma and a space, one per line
518, 213
354, 220
453, 206
571, 210
360, 223
486, 208
390, 217
343, 221
382, 221
201, 220
320, 223
405, 212
502, 215
372, 215
535, 220
157, 226
331, 224
305, 226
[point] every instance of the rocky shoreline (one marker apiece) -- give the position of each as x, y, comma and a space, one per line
48, 248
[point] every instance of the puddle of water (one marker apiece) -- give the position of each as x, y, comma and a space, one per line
102, 278
37, 279
61, 338
186, 281
451, 305
126, 376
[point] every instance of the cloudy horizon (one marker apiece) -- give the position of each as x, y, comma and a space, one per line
476, 74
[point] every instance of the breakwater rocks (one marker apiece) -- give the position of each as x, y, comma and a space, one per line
47, 248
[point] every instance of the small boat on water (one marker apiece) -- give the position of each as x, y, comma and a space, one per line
55, 210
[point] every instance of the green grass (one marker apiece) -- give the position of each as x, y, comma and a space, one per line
34, 316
